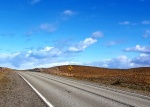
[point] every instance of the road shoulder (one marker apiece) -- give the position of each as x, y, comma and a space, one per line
14, 92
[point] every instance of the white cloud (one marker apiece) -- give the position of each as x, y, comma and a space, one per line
57, 64
138, 48
46, 52
119, 62
46, 49
142, 60
48, 27
68, 12
124, 23
46, 56
9, 55
146, 34
146, 22
123, 62
52, 56
97, 34
82, 45
31, 58
88, 42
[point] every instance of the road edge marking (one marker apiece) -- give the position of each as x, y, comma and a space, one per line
37, 92
107, 88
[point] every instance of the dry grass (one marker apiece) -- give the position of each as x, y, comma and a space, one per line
4, 78
136, 78
4, 81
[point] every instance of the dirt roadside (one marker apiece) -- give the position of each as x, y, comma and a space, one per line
14, 92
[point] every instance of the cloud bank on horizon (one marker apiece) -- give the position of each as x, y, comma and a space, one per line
43, 33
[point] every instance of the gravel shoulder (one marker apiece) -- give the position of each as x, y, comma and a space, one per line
14, 92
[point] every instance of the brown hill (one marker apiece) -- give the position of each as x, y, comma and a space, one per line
135, 78
2, 69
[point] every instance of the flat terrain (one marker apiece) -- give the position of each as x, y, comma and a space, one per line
79, 91
136, 78
67, 92
14, 92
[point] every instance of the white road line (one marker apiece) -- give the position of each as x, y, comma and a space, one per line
103, 87
38, 93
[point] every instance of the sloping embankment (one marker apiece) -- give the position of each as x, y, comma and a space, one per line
135, 78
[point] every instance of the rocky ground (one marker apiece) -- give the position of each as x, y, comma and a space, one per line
14, 92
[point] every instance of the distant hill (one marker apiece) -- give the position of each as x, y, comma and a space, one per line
5, 69
135, 78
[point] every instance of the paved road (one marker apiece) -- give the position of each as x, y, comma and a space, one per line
62, 92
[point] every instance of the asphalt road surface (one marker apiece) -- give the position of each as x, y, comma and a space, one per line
63, 92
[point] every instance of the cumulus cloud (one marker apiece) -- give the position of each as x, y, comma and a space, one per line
46, 52
125, 23
123, 62
82, 45
118, 62
31, 58
138, 48
146, 34
97, 34
146, 22
46, 56
51, 56
68, 12
142, 60
57, 64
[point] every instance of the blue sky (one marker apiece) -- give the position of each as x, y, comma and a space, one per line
103, 33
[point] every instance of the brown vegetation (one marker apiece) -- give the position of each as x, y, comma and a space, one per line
135, 78
2, 69
4, 80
